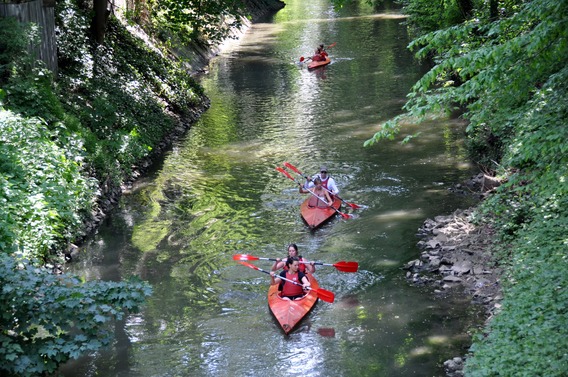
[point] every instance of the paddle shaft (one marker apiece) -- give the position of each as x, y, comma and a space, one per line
297, 171
278, 276
325, 295
302, 59
344, 215
341, 266
284, 260
250, 257
302, 186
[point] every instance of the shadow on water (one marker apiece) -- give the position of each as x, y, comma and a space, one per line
217, 193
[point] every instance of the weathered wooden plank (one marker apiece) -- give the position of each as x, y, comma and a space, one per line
44, 17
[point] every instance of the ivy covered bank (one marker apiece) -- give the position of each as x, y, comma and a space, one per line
69, 144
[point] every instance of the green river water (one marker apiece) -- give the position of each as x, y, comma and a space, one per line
216, 193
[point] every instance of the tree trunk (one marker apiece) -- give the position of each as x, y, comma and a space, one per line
98, 25
493, 9
466, 8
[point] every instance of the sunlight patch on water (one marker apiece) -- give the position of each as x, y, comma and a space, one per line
438, 339
400, 215
420, 351
388, 263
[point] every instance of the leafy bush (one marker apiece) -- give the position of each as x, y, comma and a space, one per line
13, 46
47, 319
506, 68
428, 16
190, 20
28, 85
122, 93
527, 338
42, 186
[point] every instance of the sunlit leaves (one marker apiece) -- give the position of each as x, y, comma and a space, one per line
531, 212
491, 68
42, 187
192, 20
49, 319
509, 75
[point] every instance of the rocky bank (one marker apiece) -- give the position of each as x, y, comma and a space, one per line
456, 255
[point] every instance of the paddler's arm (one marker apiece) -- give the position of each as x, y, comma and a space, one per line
328, 198
305, 282
311, 267
309, 184
273, 279
278, 264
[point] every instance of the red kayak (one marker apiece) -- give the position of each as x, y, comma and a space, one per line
289, 312
317, 64
316, 216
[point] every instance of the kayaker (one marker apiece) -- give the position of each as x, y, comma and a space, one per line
293, 252
327, 182
320, 196
320, 54
286, 289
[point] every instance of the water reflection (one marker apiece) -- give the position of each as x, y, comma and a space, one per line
217, 194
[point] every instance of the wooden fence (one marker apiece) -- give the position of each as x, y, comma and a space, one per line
42, 13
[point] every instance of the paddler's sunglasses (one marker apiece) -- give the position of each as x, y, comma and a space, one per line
323, 171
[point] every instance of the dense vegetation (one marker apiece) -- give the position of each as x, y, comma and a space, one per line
47, 319
65, 143
504, 65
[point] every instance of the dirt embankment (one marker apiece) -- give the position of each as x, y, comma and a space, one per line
456, 254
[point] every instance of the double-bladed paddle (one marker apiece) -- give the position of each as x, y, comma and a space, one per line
297, 171
308, 58
281, 170
325, 295
342, 266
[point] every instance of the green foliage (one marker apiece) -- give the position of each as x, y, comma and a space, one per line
47, 319
111, 105
122, 93
192, 20
481, 62
31, 94
527, 338
43, 189
508, 72
13, 46
427, 16
27, 84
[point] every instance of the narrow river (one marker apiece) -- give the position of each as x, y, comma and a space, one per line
216, 193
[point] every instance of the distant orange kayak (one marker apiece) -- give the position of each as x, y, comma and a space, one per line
316, 216
317, 64
289, 312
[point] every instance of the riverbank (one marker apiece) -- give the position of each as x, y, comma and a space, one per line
196, 58
456, 254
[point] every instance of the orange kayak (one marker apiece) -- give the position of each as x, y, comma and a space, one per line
316, 64
287, 312
315, 216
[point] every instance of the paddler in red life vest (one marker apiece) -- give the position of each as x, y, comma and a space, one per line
293, 252
327, 182
286, 289
320, 54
